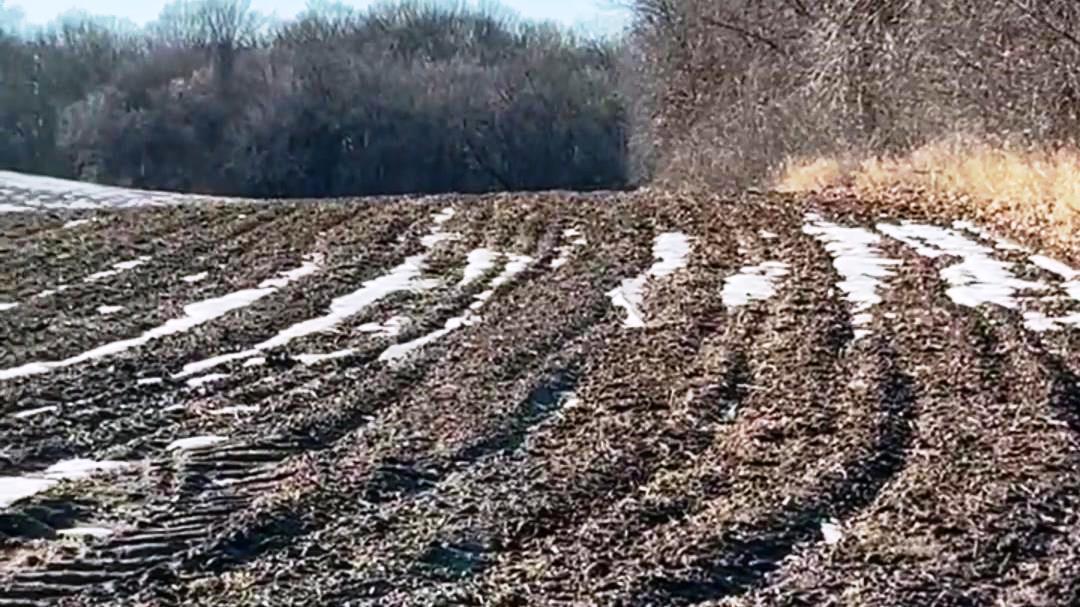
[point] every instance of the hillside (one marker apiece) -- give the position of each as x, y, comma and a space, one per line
643, 398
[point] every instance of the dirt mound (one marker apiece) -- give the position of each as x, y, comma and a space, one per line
610, 399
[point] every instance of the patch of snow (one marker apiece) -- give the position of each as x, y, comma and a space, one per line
515, 265
832, 532
195, 442
194, 278
5, 306
34, 412
195, 314
978, 278
52, 193
565, 250
149, 381
391, 327
1001, 244
1055, 267
94, 532
117, 268
195, 382
15, 488
1040, 322
282, 280
753, 283
108, 310
73, 469
398, 351
235, 410
309, 360
859, 262
671, 250
479, 262
404, 277
77, 222
767, 235
257, 361
444, 216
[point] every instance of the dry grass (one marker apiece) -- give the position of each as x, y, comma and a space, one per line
1032, 194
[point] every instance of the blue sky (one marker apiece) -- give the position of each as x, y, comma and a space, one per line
592, 15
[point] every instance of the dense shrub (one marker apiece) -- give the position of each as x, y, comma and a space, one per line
405, 98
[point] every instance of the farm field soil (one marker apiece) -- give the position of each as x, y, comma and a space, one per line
647, 398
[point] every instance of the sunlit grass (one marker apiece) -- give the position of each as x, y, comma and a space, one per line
1035, 192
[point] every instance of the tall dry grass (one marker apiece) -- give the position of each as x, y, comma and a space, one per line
1028, 192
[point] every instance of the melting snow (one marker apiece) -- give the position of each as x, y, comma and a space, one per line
64, 194
1055, 267
399, 351
832, 532
478, 264
95, 532
390, 328
859, 261
235, 410
194, 278
566, 249
515, 265
77, 222
149, 381
753, 283
107, 310
15, 488
34, 412
5, 306
257, 361
117, 268
999, 243
195, 314
978, 278
1039, 322
671, 249
404, 277
195, 382
309, 360
195, 442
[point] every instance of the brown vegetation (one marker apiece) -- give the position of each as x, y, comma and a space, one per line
736, 88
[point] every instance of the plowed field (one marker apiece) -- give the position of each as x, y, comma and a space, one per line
545, 399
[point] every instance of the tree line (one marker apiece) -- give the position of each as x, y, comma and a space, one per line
407, 98
728, 90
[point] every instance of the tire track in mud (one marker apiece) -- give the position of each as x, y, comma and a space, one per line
779, 459
338, 414
113, 379
396, 469
557, 486
551, 513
